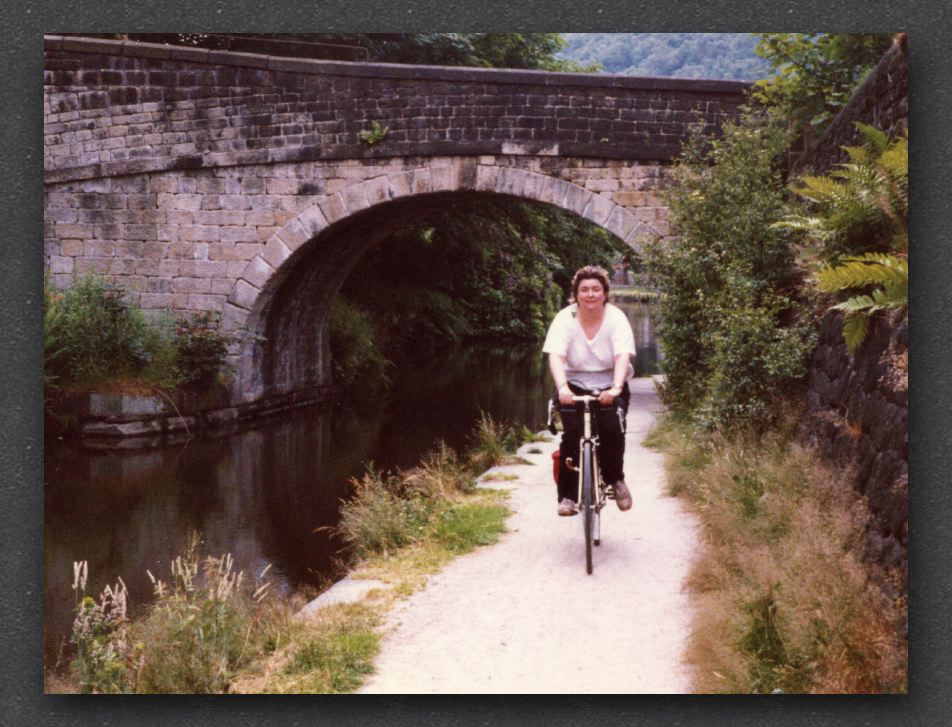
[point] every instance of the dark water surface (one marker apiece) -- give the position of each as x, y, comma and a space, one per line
263, 493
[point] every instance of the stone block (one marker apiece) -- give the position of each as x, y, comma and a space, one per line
420, 181
191, 285
233, 317
198, 301
257, 272
72, 248
512, 181
155, 300
487, 178
293, 235
377, 190
602, 185
333, 208
202, 268
577, 199
275, 253
598, 210
244, 295
59, 264
355, 198
399, 184
312, 220
621, 222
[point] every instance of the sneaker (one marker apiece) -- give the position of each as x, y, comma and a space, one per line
622, 495
567, 508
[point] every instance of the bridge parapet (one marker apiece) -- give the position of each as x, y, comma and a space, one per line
115, 108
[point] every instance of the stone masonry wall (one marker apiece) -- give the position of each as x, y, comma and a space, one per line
116, 108
882, 101
180, 240
858, 404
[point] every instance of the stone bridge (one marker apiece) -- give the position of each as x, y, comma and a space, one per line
239, 183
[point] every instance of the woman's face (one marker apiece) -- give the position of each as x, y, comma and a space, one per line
591, 294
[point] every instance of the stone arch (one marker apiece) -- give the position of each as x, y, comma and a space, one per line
253, 292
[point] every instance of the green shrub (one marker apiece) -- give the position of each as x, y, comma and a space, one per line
97, 334
355, 353
732, 327
93, 335
200, 348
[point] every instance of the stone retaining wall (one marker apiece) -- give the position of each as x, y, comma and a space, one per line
882, 101
858, 404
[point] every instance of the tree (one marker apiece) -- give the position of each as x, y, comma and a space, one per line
816, 73
732, 325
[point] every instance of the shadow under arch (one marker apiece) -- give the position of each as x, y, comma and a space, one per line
285, 293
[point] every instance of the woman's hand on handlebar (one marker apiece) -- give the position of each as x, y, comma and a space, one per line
565, 395
608, 396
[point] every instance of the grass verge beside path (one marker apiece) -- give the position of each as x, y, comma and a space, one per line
210, 631
783, 599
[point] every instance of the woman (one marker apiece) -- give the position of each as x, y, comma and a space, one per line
589, 344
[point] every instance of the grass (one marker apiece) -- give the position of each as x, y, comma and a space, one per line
784, 599
211, 631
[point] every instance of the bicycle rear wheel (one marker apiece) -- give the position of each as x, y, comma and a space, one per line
588, 502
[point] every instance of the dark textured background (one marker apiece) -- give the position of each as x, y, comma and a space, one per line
21, 285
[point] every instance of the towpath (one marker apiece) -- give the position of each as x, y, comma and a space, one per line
522, 616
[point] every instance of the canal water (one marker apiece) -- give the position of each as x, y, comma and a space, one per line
269, 493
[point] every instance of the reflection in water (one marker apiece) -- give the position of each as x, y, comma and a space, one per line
270, 493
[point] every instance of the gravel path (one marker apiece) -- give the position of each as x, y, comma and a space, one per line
523, 617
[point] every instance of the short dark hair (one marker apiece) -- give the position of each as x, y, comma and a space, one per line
589, 272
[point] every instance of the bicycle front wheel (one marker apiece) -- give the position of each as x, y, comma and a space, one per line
588, 501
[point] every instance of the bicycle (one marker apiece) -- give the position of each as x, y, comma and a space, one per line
594, 492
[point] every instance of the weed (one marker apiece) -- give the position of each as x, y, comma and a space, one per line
492, 442
376, 519
785, 601
441, 474
375, 134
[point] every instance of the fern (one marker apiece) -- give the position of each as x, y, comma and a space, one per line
863, 271
862, 207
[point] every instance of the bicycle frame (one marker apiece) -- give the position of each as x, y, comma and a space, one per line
591, 503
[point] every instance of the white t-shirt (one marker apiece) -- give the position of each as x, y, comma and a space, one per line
590, 362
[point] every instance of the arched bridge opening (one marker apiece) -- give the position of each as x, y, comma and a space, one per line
286, 295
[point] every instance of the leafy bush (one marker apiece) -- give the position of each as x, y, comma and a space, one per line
200, 348
355, 353
95, 334
732, 326
816, 73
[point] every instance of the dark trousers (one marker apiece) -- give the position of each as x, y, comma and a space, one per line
609, 423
